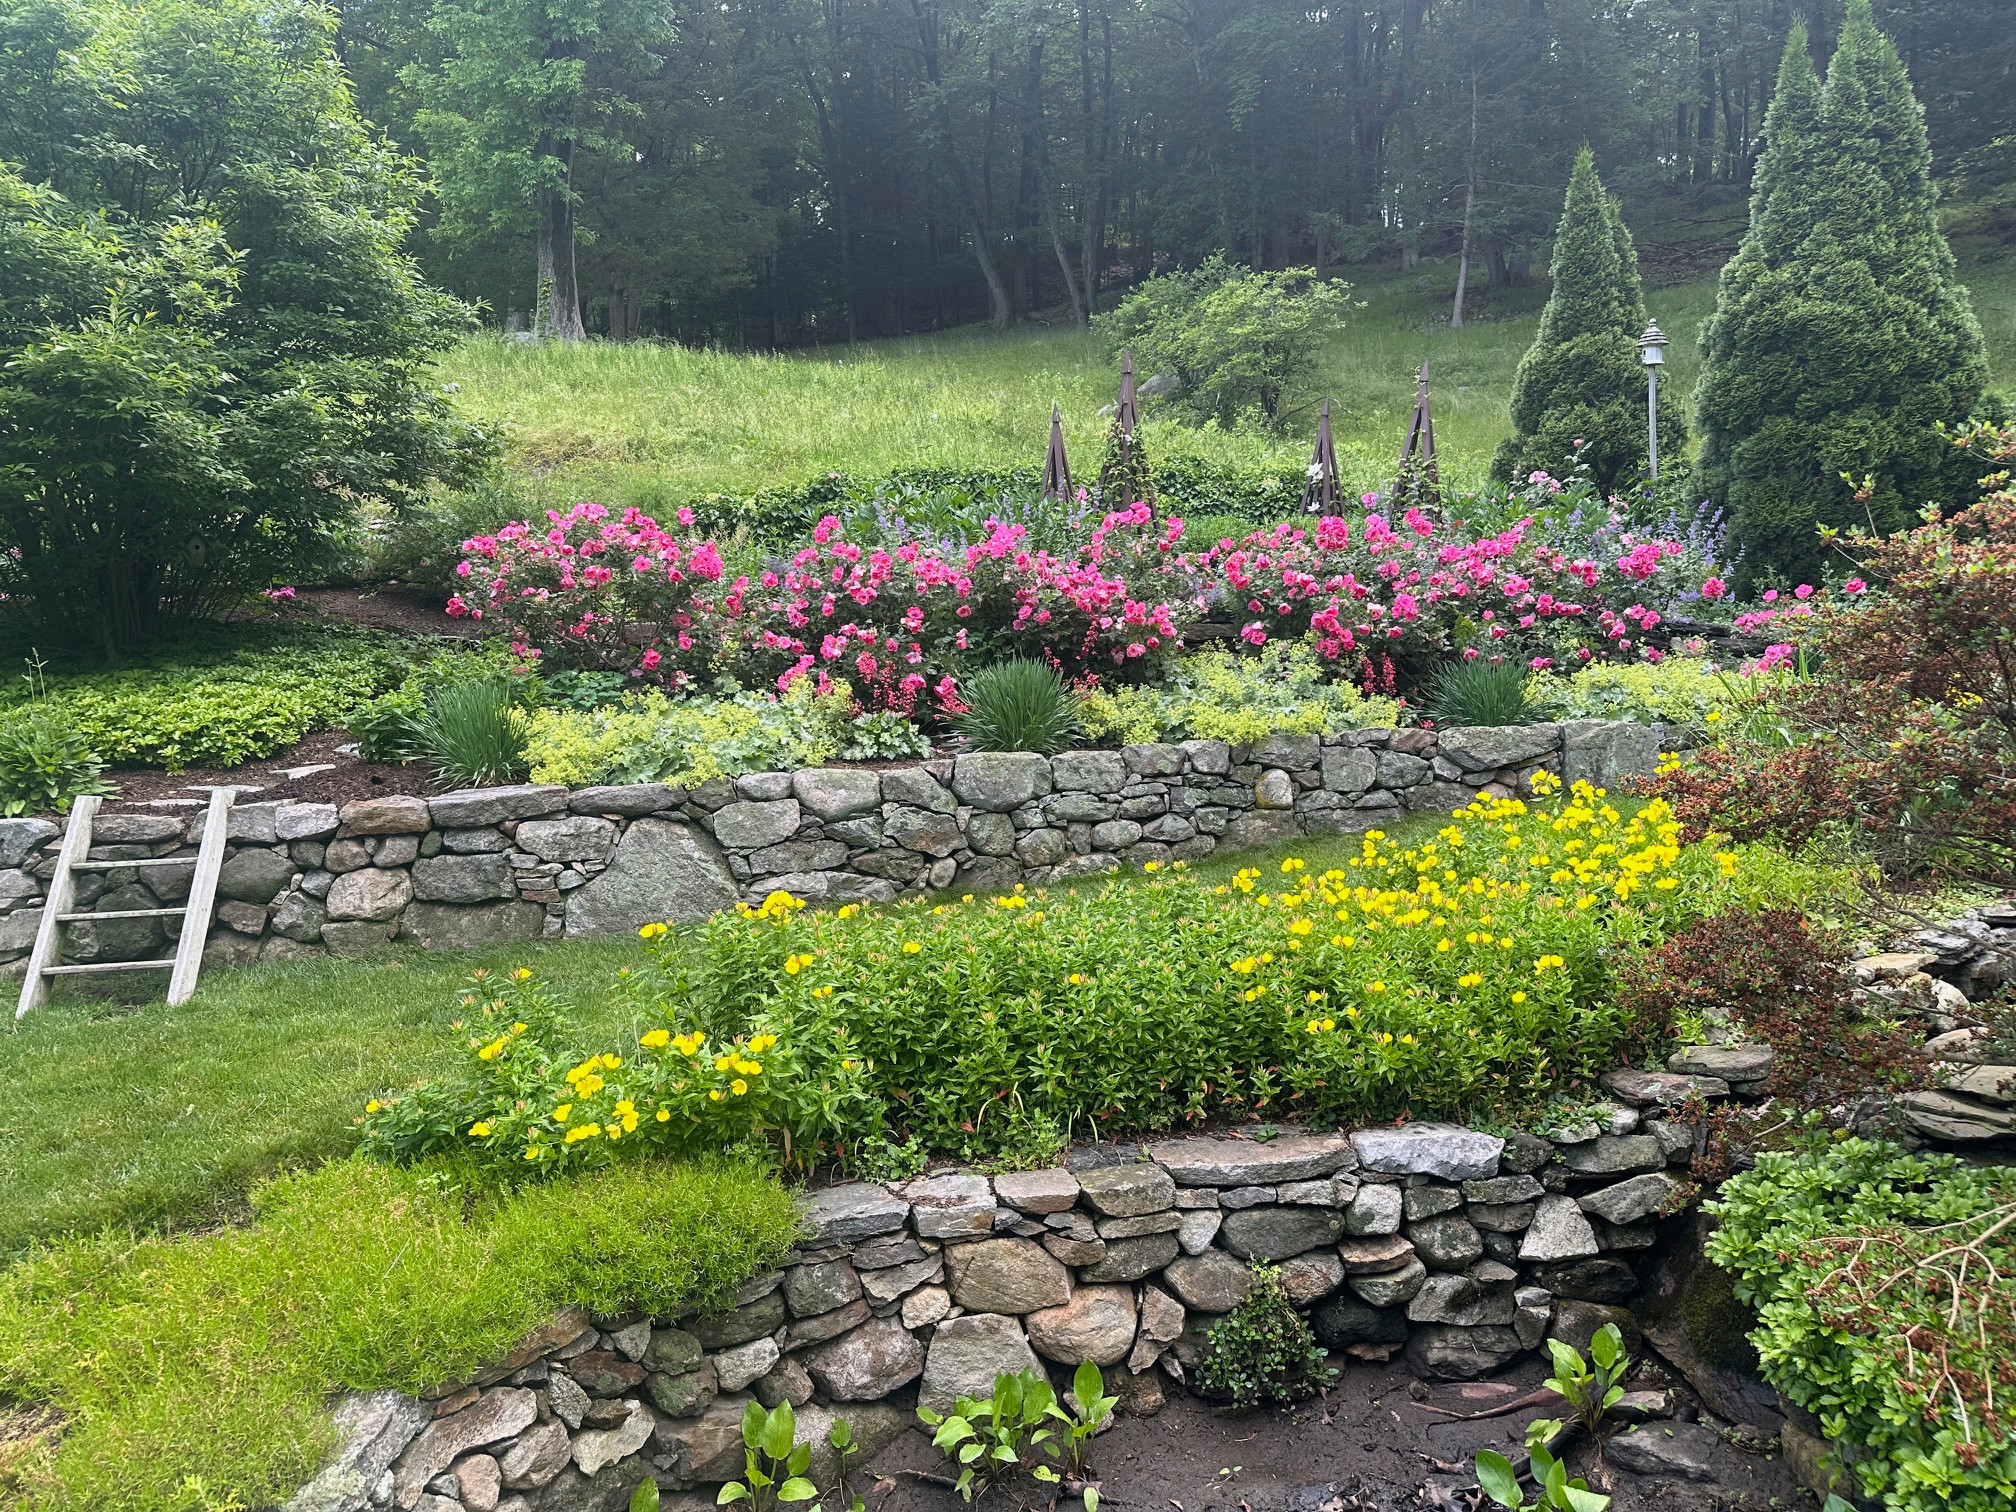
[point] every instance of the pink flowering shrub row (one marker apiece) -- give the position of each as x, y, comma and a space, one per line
897, 621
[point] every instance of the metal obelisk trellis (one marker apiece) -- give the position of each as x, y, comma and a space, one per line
1319, 492
1057, 466
1124, 477
1420, 481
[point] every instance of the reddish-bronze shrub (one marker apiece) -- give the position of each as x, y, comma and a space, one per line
1906, 725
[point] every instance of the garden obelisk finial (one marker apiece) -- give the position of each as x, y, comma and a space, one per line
1124, 475
1319, 493
1057, 466
1419, 484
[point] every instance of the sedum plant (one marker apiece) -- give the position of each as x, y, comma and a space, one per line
1215, 695
1263, 1349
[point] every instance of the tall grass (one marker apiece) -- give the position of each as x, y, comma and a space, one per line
655, 425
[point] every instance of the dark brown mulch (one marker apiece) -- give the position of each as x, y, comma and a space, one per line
387, 606
1367, 1445
350, 778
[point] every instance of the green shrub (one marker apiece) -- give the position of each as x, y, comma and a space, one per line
1263, 1349
1017, 705
883, 735
1237, 339
1681, 690
1487, 691
215, 1356
1216, 695
44, 762
651, 738
1142, 1004
1885, 1285
472, 733
228, 698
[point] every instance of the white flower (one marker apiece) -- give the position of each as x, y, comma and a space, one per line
1315, 472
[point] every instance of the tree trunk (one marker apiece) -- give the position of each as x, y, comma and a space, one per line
542, 295
1063, 261
564, 314
1469, 206
997, 290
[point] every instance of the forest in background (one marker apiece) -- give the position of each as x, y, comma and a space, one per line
762, 173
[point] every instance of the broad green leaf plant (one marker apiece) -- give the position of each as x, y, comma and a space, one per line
774, 1462
991, 1438
1589, 1387
1553, 1490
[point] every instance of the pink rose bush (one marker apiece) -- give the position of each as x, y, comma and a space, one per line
896, 621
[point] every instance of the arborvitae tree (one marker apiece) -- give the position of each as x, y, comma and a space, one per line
1581, 379
1841, 341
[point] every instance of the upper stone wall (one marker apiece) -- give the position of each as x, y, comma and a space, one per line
488, 865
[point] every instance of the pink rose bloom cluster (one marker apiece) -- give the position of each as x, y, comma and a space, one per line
621, 592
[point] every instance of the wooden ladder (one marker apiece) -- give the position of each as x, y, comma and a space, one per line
195, 914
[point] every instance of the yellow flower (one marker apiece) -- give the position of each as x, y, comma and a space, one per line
652, 931
657, 1039
479, 1130
723, 1062
1445, 945
1300, 927
373, 1106
625, 1108
1518, 997
822, 992
1375, 987
564, 1112
588, 1086
911, 947
715, 1095
522, 974
1470, 979
517, 1028
1151, 866
738, 1086
1407, 1039
532, 1152
583, 1131
1076, 979
664, 1115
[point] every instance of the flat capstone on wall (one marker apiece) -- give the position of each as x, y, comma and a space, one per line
486, 866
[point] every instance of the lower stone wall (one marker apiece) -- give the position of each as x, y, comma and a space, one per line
1461, 1249
485, 866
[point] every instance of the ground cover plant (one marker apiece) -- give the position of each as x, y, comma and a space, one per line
1883, 1287
222, 697
1461, 973
354, 1276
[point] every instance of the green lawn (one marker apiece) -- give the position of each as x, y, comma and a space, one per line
655, 425
164, 1118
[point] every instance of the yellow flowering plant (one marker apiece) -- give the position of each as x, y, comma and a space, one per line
534, 1101
1466, 973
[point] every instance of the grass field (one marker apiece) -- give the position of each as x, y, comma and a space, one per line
656, 425
161, 1118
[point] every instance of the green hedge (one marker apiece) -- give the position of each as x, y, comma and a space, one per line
785, 516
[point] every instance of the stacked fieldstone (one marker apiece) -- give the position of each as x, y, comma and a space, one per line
1937, 976
1461, 1248
489, 865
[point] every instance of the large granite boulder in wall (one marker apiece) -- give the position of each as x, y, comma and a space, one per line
660, 871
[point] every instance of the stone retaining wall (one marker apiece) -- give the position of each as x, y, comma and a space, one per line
484, 866
1462, 1249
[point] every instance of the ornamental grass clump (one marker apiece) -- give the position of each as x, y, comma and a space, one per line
1467, 973
1018, 705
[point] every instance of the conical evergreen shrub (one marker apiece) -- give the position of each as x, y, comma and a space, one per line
1841, 340
1581, 379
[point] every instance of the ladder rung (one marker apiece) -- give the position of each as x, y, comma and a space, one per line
121, 913
89, 865
108, 966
